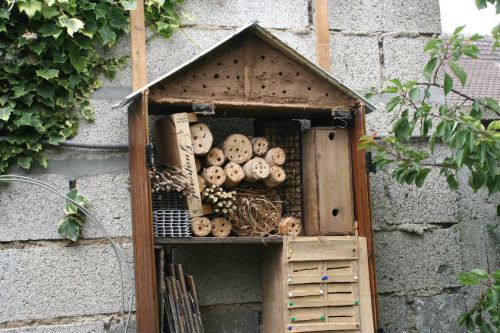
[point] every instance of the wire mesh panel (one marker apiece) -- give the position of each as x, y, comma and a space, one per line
286, 134
170, 217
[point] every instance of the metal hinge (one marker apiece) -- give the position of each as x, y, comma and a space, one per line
370, 167
150, 155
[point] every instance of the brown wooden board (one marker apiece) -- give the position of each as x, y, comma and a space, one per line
174, 147
328, 197
273, 289
249, 70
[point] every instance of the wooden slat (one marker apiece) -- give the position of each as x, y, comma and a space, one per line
341, 287
310, 184
315, 249
320, 279
302, 293
218, 240
364, 289
323, 327
273, 289
323, 34
318, 304
362, 201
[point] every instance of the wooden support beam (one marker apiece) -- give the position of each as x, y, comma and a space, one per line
140, 190
362, 200
323, 35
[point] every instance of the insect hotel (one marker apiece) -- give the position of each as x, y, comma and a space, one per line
251, 143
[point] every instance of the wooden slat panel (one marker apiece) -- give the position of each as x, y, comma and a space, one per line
310, 184
320, 279
336, 211
323, 327
317, 304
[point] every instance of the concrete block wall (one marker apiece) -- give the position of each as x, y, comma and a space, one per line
423, 237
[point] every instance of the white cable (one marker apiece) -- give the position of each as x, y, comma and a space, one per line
117, 250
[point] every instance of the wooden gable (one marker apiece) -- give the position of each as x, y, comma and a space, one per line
248, 72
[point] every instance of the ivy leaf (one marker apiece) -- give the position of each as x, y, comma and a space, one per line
429, 68
476, 180
458, 71
108, 36
43, 160
80, 199
25, 162
30, 7
5, 113
421, 175
47, 74
452, 182
88, 112
129, 4
69, 228
70, 209
448, 83
72, 25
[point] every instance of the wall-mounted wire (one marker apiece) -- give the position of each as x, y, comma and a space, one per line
122, 261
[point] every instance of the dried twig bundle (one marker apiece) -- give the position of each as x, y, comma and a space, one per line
257, 213
170, 178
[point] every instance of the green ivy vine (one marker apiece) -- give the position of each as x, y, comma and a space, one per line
52, 53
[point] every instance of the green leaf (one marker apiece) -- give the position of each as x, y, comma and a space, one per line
480, 273
492, 103
414, 94
429, 68
69, 228
448, 84
476, 111
494, 126
72, 25
420, 178
88, 112
485, 328
47, 73
74, 195
70, 209
25, 162
458, 71
108, 36
402, 128
432, 45
393, 102
476, 180
452, 182
5, 113
468, 279
129, 4
458, 29
30, 7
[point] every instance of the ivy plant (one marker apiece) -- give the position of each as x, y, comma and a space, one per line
52, 53
485, 314
71, 225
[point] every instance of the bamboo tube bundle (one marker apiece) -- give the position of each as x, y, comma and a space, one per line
237, 148
256, 169
170, 178
214, 175
234, 174
221, 201
215, 157
276, 177
202, 138
275, 156
260, 146
220, 227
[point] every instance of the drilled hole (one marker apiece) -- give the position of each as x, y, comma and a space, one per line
216, 76
237, 77
228, 88
194, 76
284, 91
162, 87
227, 76
263, 86
327, 94
298, 74
204, 86
280, 73
263, 57
184, 90
235, 61
308, 88
335, 212
331, 136
219, 64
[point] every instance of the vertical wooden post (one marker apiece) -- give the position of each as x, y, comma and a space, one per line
362, 200
140, 190
323, 35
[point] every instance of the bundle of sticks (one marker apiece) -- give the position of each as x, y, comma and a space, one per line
170, 178
181, 312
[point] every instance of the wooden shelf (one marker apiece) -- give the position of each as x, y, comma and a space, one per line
219, 240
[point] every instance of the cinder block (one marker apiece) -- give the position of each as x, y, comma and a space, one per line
231, 319
109, 198
110, 126
30, 212
404, 58
224, 274
439, 313
393, 203
393, 313
97, 327
385, 15
405, 262
49, 282
271, 14
355, 61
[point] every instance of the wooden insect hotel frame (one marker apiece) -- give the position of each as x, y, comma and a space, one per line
322, 280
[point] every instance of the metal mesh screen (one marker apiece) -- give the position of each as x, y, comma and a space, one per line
170, 218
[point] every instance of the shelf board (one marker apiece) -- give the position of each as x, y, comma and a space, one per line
218, 240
